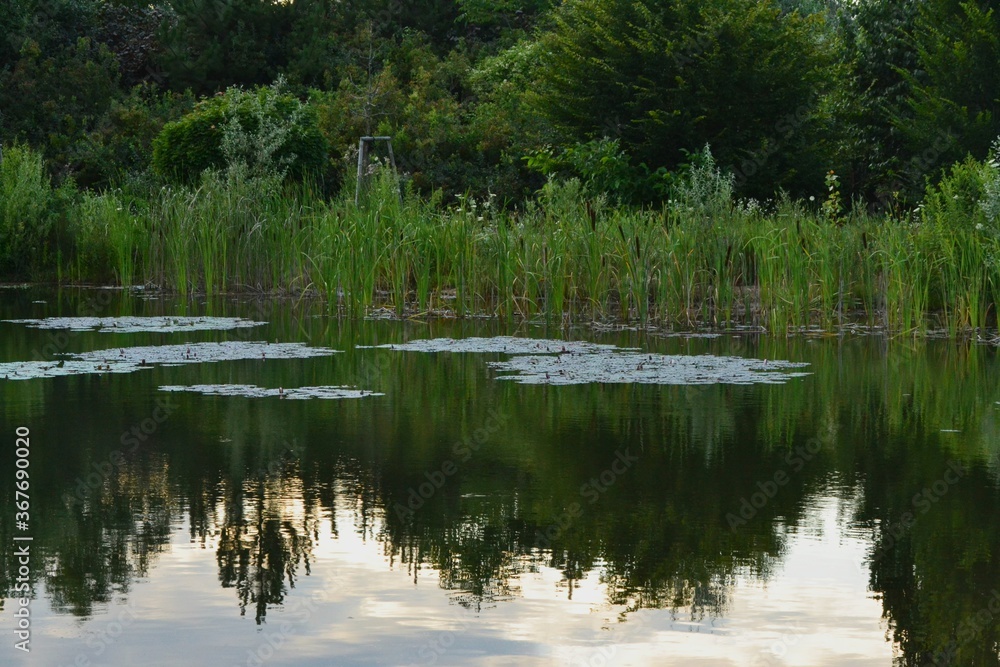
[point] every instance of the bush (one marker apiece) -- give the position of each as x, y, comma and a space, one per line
25, 221
959, 200
121, 142
268, 131
701, 189
990, 201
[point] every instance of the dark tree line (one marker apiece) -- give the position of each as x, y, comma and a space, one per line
492, 96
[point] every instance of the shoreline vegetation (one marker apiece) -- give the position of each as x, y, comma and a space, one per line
704, 258
776, 164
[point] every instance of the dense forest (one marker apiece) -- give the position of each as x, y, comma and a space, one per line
839, 110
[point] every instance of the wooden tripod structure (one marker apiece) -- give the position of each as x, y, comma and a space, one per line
365, 145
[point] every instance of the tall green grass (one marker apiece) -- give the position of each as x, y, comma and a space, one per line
564, 257
701, 259
26, 220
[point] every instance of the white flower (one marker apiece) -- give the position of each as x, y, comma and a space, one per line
811, 198
979, 226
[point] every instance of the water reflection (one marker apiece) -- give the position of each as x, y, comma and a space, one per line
618, 498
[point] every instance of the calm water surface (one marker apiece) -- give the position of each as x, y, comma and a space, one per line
849, 517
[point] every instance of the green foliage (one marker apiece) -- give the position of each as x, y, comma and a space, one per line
31, 213
52, 101
208, 45
990, 201
603, 168
53, 25
702, 190
507, 13
14, 17
130, 32
267, 131
832, 207
663, 77
405, 90
121, 142
955, 83
967, 197
879, 52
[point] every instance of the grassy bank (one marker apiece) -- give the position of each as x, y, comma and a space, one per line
701, 259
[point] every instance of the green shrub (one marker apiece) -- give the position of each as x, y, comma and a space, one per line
25, 220
990, 202
955, 202
121, 142
270, 132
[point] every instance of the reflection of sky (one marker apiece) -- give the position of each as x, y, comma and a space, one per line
356, 609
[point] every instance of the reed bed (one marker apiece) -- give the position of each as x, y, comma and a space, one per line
564, 257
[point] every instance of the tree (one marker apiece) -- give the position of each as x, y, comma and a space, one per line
51, 101
664, 77
130, 32
269, 132
211, 44
879, 53
955, 86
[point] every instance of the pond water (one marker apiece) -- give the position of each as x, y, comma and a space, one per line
589, 498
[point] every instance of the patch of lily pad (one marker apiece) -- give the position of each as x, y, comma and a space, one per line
556, 362
131, 359
501, 345
253, 391
636, 368
135, 324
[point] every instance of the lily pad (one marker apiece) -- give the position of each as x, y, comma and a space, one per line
132, 324
500, 345
253, 391
558, 362
637, 368
130, 359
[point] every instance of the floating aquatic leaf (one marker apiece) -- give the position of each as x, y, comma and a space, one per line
633, 367
501, 345
253, 391
131, 324
540, 361
130, 359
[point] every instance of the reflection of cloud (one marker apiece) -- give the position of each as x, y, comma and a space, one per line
374, 612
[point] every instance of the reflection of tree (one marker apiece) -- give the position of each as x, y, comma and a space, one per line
658, 534
110, 537
658, 537
938, 572
263, 541
479, 562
